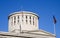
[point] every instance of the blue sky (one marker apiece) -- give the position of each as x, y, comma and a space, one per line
44, 8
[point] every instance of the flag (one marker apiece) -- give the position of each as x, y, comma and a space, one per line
54, 20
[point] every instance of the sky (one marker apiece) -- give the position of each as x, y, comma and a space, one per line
44, 8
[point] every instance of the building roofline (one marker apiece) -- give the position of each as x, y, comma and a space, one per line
21, 35
50, 34
27, 12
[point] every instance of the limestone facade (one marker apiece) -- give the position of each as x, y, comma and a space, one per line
23, 20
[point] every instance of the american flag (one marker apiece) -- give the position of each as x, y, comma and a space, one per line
54, 20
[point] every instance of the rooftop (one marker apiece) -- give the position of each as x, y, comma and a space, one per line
23, 12
29, 33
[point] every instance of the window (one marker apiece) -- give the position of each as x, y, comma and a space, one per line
14, 20
33, 20
22, 18
30, 19
26, 19
18, 19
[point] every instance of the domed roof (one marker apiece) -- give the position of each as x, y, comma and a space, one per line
23, 12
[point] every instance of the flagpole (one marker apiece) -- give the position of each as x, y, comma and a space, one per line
54, 22
54, 29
